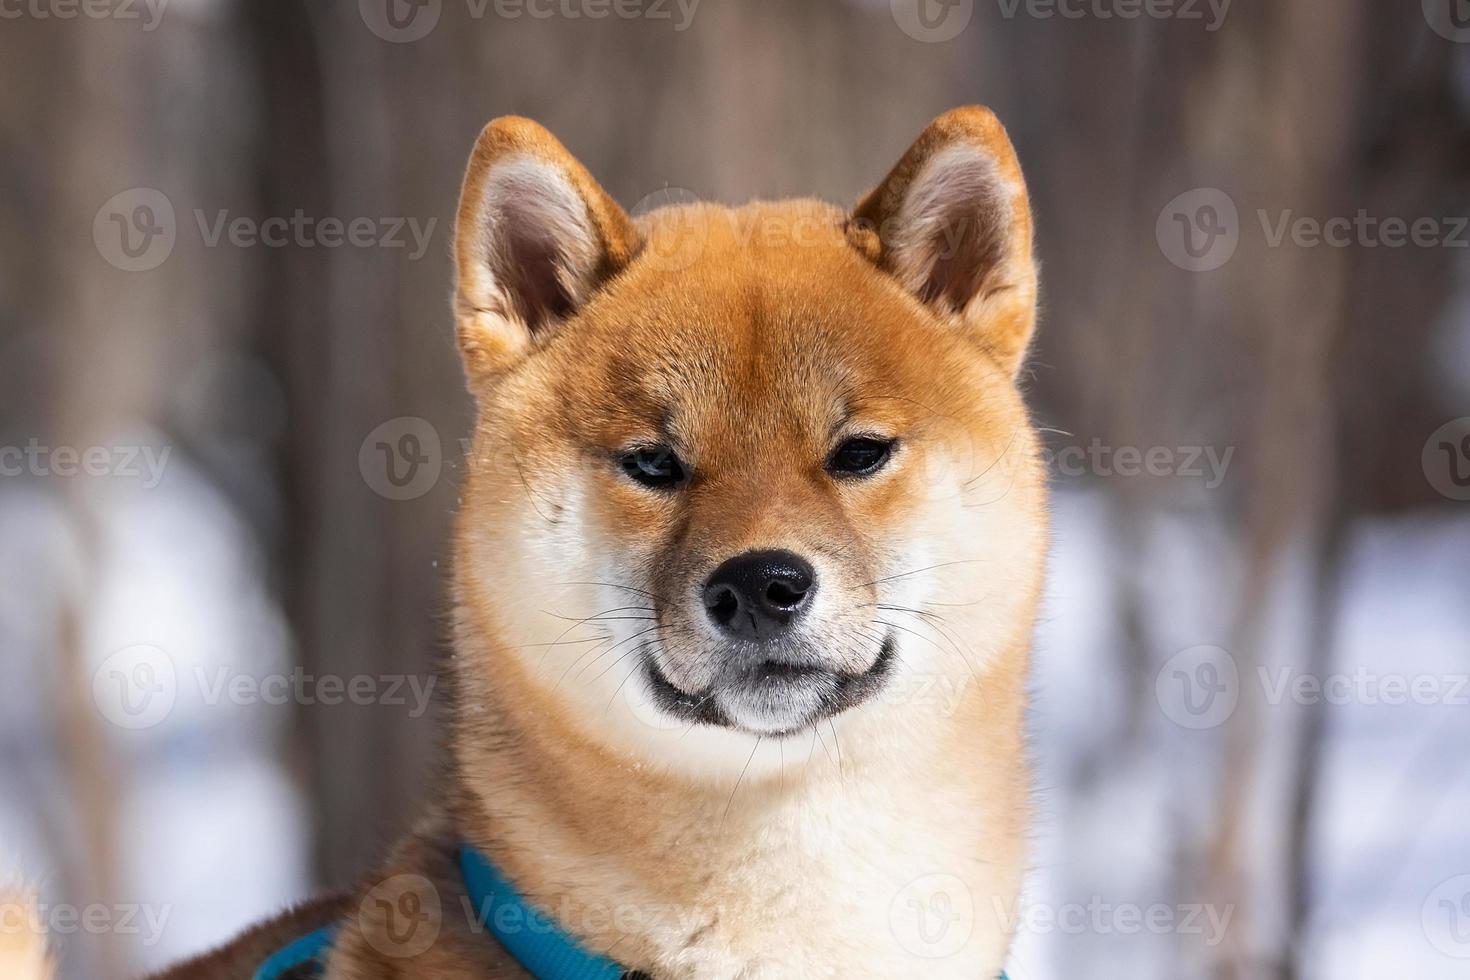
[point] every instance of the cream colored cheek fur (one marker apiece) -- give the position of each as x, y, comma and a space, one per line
967, 554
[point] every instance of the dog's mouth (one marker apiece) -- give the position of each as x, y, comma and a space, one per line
772, 698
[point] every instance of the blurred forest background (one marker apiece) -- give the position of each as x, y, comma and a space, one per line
1304, 516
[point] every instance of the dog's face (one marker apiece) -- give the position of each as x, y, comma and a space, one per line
740, 472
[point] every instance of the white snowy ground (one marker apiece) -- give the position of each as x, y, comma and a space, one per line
212, 830
1393, 843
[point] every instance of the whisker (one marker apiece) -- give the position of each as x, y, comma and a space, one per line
626, 677
580, 657
913, 612
931, 642
638, 649
521, 475
610, 619
560, 636
936, 623
595, 616
739, 779
1003, 453
562, 643
992, 500
917, 571
837, 744
625, 588
609, 650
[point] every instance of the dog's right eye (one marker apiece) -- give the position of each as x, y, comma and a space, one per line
656, 467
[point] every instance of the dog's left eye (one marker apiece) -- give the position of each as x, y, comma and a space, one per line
860, 456
657, 467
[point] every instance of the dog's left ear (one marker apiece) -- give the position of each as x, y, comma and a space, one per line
953, 224
534, 238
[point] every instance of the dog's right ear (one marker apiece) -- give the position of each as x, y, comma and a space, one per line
952, 223
534, 238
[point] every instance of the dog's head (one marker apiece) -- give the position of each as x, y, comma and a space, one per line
738, 472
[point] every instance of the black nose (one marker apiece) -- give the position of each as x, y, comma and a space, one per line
757, 595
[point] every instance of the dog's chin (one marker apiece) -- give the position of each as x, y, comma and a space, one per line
771, 698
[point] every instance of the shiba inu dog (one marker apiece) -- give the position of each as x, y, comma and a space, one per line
750, 547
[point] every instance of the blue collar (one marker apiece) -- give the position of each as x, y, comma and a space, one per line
527, 933
305, 957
